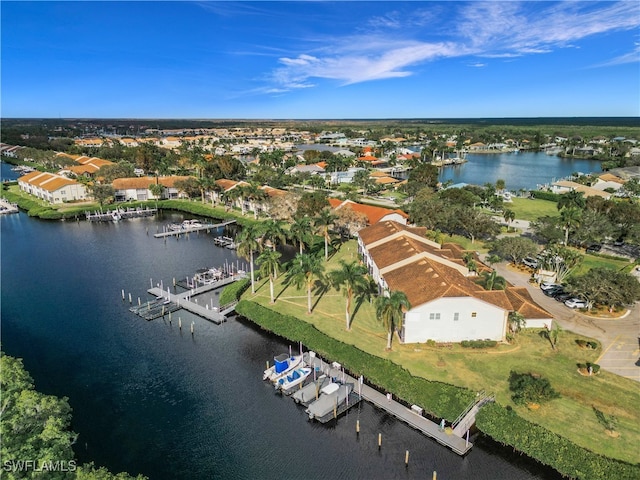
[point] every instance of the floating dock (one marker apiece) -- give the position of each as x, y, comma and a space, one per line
169, 232
411, 416
170, 302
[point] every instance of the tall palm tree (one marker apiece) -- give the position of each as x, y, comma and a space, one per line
324, 221
248, 244
509, 216
300, 231
273, 231
492, 281
352, 276
570, 217
304, 270
390, 310
269, 261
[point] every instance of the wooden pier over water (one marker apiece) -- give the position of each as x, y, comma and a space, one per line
8, 207
120, 214
205, 227
411, 416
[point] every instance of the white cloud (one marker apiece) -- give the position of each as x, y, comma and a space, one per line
631, 57
477, 65
389, 49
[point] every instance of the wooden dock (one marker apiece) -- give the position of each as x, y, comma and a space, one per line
187, 301
410, 416
205, 227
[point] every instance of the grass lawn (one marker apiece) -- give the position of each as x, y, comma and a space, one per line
595, 261
532, 209
571, 416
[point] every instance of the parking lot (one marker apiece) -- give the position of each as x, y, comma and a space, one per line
619, 337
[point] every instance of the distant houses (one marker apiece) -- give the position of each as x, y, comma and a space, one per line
447, 304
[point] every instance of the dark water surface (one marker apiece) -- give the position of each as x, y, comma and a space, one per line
149, 398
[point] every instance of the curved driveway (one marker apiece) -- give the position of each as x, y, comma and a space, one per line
620, 338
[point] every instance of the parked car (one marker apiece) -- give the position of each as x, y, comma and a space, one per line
563, 296
530, 262
618, 243
595, 248
575, 303
549, 286
552, 292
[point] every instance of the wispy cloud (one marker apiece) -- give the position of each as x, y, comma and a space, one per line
392, 45
631, 57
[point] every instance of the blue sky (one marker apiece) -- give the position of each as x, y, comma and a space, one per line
383, 59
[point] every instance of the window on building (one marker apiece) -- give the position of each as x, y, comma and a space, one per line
474, 314
434, 316
456, 317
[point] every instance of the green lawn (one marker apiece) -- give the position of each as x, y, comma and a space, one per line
532, 209
571, 416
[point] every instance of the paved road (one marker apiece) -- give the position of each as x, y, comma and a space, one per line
620, 338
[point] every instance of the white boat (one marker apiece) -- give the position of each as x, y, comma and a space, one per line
115, 216
283, 365
287, 383
189, 224
311, 391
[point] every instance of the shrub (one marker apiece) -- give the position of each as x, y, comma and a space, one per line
529, 388
232, 293
478, 343
553, 197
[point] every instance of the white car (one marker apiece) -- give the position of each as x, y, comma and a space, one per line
576, 303
549, 286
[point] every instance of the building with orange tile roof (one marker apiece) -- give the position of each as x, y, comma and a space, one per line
52, 188
447, 303
137, 188
373, 213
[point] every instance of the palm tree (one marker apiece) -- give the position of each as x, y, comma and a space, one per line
509, 216
570, 217
492, 281
300, 231
390, 310
304, 270
269, 261
247, 245
272, 232
352, 276
323, 222
573, 198
516, 322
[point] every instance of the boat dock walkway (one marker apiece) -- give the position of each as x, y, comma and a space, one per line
411, 416
205, 227
8, 207
187, 301
120, 214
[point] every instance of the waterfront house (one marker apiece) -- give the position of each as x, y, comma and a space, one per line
565, 186
137, 188
447, 303
52, 188
373, 213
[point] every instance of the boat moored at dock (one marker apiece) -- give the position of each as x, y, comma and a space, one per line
284, 364
332, 397
289, 382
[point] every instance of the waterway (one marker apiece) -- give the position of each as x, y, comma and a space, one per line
523, 170
150, 398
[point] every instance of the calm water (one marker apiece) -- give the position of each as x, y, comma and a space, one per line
148, 398
519, 170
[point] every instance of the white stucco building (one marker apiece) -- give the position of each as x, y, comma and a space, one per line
52, 188
447, 303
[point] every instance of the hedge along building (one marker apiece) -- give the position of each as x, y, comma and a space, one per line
447, 303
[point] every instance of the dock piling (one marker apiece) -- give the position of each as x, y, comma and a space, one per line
180, 323
406, 458
130, 297
192, 328
379, 441
139, 301
123, 294
358, 427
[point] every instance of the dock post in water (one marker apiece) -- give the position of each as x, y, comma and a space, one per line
379, 441
191, 328
130, 297
123, 294
180, 323
406, 458
435, 475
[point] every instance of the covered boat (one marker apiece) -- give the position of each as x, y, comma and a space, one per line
332, 396
311, 392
